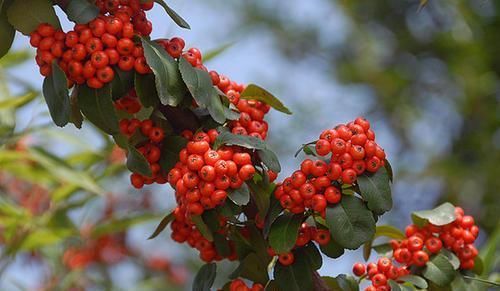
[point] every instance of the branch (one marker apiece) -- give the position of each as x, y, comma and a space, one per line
318, 283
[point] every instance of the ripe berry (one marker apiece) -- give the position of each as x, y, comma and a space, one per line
359, 269
286, 259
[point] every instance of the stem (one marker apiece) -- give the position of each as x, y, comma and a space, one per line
482, 281
318, 283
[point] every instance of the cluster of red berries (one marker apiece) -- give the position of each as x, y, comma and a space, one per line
87, 53
129, 102
185, 231
108, 249
318, 183
458, 237
150, 149
380, 273
176, 274
203, 176
306, 235
239, 285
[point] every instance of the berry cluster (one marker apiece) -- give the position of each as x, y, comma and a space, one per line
203, 176
87, 53
239, 285
150, 149
318, 183
380, 273
458, 237
184, 230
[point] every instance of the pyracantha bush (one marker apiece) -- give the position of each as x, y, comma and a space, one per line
205, 135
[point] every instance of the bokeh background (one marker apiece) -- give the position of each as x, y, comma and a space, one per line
427, 79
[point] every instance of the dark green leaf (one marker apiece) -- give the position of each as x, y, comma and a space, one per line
137, 163
311, 252
350, 222
240, 196
255, 92
284, 232
175, 17
119, 225
122, 83
439, 270
261, 192
76, 116
205, 277
168, 80
81, 11
376, 190
394, 286
26, 15
222, 245
211, 219
296, 277
452, 258
269, 159
332, 249
483, 281
272, 286
441, 215
417, 281
202, 227
388, 168
273, 213
146, 89
199, 84
478, 266
97, 106
384, 250
7, 33
252, 268
163, 224
55, 91
170, 151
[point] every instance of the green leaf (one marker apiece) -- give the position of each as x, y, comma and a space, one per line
478, 266
488, 252
122, 224
168, 81
388, 168
246, 141
15, 58
212, 54
97, 106
452, 258
146, 90
350, 222
439, 270
261, 192
273, 213
255, 92
341, 283
55, 91
205, 277
211, 218
18, 101
170, 151
7, 33
284, 231
26, 15
122, 83
295, 277
384, 250
202, 227
332, 249
222, 245
311, 252
269, 159
44, 237
137, 163
81, 11
175, 17
252, 268
199, 84
60, 169
417, 281
163, 224
376, 190
441, 215
240, 196
382, 230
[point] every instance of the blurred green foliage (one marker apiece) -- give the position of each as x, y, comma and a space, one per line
432, 76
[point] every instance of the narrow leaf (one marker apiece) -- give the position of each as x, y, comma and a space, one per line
202, 227
205, 277
175, 17
146, 90
163, 224
55, 91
